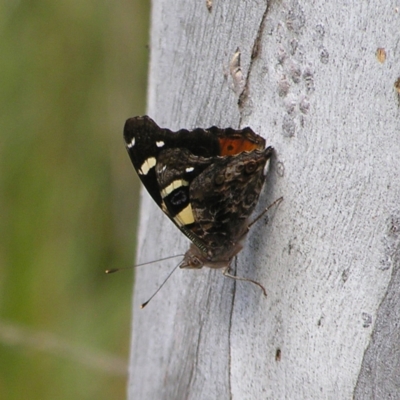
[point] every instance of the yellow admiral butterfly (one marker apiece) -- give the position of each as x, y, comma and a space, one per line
207, 181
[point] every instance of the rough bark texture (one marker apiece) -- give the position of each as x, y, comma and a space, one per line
310, 82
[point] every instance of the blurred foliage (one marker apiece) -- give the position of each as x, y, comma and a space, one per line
70, 74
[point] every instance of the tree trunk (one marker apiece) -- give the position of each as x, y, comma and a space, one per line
311, 81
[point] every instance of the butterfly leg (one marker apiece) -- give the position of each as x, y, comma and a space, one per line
226, 273
277, 201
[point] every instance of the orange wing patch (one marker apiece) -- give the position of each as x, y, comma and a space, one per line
230, 147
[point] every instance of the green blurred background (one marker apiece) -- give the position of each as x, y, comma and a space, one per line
71, 72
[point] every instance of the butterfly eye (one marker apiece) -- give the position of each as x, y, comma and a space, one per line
195, 262
251, 167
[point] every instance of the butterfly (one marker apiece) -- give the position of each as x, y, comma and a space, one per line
207, 182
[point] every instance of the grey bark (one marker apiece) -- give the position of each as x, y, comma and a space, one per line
309, 82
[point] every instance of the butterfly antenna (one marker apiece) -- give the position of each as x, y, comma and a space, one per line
159, 288
111, 271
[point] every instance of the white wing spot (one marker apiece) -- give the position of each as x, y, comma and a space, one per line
160, 143
132, 143
147, 166
190, 169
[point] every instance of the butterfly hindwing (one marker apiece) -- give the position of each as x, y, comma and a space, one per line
230, 187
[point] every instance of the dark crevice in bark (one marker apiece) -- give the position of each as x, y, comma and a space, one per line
196, 357
255, 52
380, 361
229, 334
